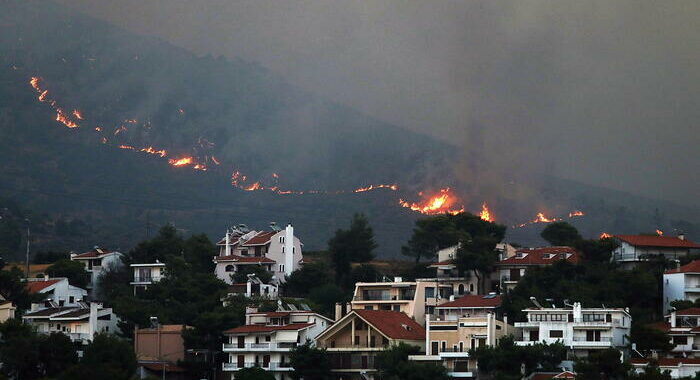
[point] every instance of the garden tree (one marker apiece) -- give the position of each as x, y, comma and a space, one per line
48, 257
106, 357
430, 235
309, 276
598, 250
364, 273
684, 304
73, 270
561, 234
652, 372
393, 364
12, 288
254, 373
506, 360
57, 353
244, 270
478, 240
114, 282
602, 365
591, 284
324, 298
166, 244
199, 250
354, 245
310, 363
649, 338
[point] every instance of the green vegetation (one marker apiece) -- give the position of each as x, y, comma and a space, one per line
506, 360
310, 363
254, 373
393, 364
73, 270
354, 245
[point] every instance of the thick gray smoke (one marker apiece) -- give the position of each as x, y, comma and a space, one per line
596, 91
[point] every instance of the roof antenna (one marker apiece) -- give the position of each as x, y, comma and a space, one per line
534, 301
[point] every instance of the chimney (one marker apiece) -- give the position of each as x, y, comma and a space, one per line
578, 316
228, 243
289, 250
338, 311
681, 236
46, 277
673, 318
93, 320
398, 279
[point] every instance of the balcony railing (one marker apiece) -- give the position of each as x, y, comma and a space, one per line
259, 346
586, 340
146, 278
268, 366
384, 297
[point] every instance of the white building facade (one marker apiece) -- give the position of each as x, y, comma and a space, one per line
80, 323
147, 274
682, 283
97, 262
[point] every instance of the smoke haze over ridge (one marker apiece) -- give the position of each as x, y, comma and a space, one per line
598, 92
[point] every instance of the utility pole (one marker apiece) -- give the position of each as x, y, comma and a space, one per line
28, 238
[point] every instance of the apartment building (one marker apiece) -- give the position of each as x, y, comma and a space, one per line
147, 274
580, 329
683, 328
449, 338
413, 298
277, 251
682, 283
97, 262
57, 290
633, 249
511, 269
80, 323
267, 339
355, 339
469, 306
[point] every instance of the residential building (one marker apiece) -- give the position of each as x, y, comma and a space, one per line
277, 251
511, 269
57, 290
267, 339
683, 328
580, 329
682, 283
158, 350
254, 287
677, 368
80, 323
469, 306
637, 248
414, 298
448, 340
147, 274
7, 309
97, 262
355, 339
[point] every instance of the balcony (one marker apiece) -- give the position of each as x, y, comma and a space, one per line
145, 280
259, 347
509, 280
272, 366
384, 297
582, 341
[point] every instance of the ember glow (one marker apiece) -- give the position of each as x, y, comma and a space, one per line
63, 119
576, 213
77, 114
120, 130
180, 161
659, 232
485, 213
442, 202
375, 187
152, 150
129, 147
605, 235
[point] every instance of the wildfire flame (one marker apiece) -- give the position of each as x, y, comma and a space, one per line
63, 119
659, 232
485, 213
375, 187
77, 114
180, 161
576, 213
605, 235
215, 160
120, 130
152, 150
439, 203
42, 96
129, 147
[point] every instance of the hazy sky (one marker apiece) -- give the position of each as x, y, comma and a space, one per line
597, 91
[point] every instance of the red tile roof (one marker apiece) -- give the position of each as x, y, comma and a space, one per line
92, 254
695, 311
668, 362
473, 301
34, 287
260, 239
657, 241
442, 263
541, 256
243, 259
691, 267
246, 329
158, 367
394, 324
280, 313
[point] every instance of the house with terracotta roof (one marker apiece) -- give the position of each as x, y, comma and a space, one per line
683, 328
681, 283
677, 368
80, 323
57, 290
355, 339
97, 262
633, 249
277, 251
471, 323
581, 330
512, 268
469, 306
267, 339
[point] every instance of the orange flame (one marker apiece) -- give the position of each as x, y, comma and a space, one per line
126, 147
201, 167
61, 118
98, 129
576, 213
375, 187
659, 232
180, 161
436, 204
541, 218
120, 130
215, 160
605, 235
253, 187
485, 213
152, 150
77, 114
42, 96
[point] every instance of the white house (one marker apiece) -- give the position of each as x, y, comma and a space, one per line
80, 323
277, 251
682, 283
511, 269
582, 330
635, 248
7, 309
97, 262
267, 339
57, 290
147, 274
683, 329
677, 368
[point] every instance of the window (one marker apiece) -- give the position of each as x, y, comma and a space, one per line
281, 268
556, 333
281, 239
294, 250
332, 344
471, 288
267, 338
357, 340
397, 307
443, 346
229, 268
385, 307
429, 292
282, 249
539, 317
557, 317
369, 307
71, 299
593, 317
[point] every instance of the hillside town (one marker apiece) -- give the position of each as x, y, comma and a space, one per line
464, 304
